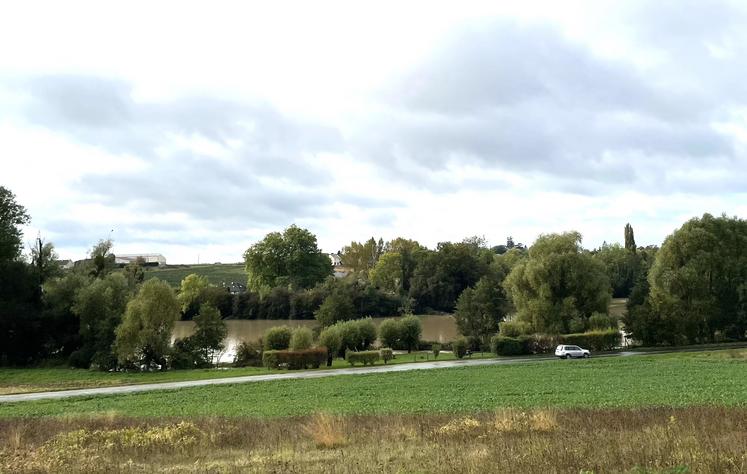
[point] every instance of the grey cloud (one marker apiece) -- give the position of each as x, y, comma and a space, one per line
526, 99
268, 176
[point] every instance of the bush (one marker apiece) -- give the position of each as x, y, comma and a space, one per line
410, 331
302, 338
364, 357
386, 354
509, 346
295, 360
436, 348
356, 335
459, 347
277, 338
331, 339
248, 355
605, 340
389, 333
185, 354
514, 328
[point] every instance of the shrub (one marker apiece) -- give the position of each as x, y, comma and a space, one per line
508, 346
514, 328
331, 339
364, 357
185, 354
594, 340
459, 347
302, 338
410, 331
326, 430
277, 338
386, 354
389, 333
248, 355
295, 360
436, 348
356, 335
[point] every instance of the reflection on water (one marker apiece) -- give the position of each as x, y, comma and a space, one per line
435, 328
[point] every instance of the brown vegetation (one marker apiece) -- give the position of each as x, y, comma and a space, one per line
541, 441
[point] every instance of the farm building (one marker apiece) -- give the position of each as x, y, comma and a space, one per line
150, 259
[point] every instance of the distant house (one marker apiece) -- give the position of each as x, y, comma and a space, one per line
66, 264
337, 266
336, 259
150, 259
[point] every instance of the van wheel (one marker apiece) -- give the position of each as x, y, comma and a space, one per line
566, 356
586, 356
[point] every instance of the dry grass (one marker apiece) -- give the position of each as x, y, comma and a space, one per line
652, 440
326, 430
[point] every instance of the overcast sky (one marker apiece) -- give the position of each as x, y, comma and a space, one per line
195, 129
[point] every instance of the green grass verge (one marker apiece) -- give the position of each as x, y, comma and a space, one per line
28, 380
216, 274
639, 381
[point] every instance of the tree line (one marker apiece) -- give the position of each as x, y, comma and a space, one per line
692, 290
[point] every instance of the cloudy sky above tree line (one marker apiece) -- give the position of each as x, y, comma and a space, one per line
196, 129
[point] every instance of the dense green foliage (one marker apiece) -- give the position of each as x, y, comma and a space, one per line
443, 274
698, 285
641, 381
559, 286
596, 340
144, 336
302, 338
479, 310
277, 338
295, 360
362, 357
459, 347
362, 257
401, 333
248, 354
288, 259
100, 306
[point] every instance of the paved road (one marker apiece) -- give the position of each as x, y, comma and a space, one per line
90, 392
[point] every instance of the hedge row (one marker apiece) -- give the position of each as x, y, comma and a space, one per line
603, 340
295, 360
364, 357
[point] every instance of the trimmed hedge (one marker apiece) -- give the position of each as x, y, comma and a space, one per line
295, 360
600, 340
364, 357
604, 340
508, 346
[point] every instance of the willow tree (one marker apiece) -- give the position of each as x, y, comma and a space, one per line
559, 285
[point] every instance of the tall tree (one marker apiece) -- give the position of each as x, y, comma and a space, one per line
142, 339
44, 260
699, 281
101, 261
99, 306
210, 332
442, 275
629, 238
288, 259
479, 310
12, 217
362, 257
559, 285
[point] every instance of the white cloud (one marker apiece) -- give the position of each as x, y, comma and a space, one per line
195, 129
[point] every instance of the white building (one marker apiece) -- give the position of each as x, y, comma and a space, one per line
150, 259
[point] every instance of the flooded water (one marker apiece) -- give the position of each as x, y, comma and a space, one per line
435, 328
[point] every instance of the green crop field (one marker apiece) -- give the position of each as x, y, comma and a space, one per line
674, 380
216, 273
